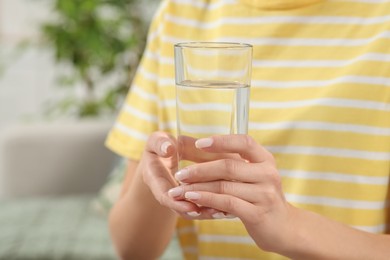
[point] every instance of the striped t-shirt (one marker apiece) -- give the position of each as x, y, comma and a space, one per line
320, 102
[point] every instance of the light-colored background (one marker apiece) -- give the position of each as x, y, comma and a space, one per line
28, 81
27, 75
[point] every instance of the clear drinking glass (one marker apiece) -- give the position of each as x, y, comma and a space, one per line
212, 91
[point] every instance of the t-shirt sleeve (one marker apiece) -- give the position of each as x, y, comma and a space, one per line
138, 116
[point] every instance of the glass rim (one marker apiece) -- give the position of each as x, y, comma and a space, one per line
213, 45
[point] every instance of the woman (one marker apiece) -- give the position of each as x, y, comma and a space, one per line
319, 126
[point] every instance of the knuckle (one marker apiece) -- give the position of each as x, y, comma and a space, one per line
230, 166
249, 142
230, 205
224, 187
271, 196
270, 157
273, 176
270, 172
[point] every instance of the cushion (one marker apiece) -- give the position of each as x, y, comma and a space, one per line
53, 228
58, 228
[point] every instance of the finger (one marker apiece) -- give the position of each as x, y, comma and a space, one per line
244, 145
210, 213
182, 207
188, 151
190, 210
226, 169
248, 192
162, 144
222, 202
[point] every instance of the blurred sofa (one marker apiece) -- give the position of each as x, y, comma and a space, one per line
49, 175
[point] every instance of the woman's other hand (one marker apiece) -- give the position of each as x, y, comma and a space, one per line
247, 186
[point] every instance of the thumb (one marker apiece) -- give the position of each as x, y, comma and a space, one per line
161, 144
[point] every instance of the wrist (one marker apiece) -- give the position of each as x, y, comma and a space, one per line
293, 236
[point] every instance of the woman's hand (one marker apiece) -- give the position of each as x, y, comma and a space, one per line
247, 186
159, 163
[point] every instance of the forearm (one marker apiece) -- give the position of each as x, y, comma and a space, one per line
316, 237
140, 227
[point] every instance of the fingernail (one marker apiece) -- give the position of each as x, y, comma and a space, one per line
164, 147
218, 215
229, 216
192, 195
182, 174
204, 143
175, 192
193, 214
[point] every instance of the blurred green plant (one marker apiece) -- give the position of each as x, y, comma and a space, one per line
99, 39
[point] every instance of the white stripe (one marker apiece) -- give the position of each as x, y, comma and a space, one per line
333, 202
337, 177
167, 103
319, 63
166, 82
204, 129
355, 79
156, 79
142, 93
328, 102
137, 113
302, 42
321, 126
247, 240
228, 75
131, 132
377, 57
332, 152
154, 34
204, 5
167, 126
148, 75
157, 57
204, 107
350, 79
373, 229
246, 21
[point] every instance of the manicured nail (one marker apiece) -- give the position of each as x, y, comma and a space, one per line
182, 175
175, 192
192, 195
193, 214
218, 215
164, 147
203, 143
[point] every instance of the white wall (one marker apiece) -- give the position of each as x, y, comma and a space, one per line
28, 75
28, 80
